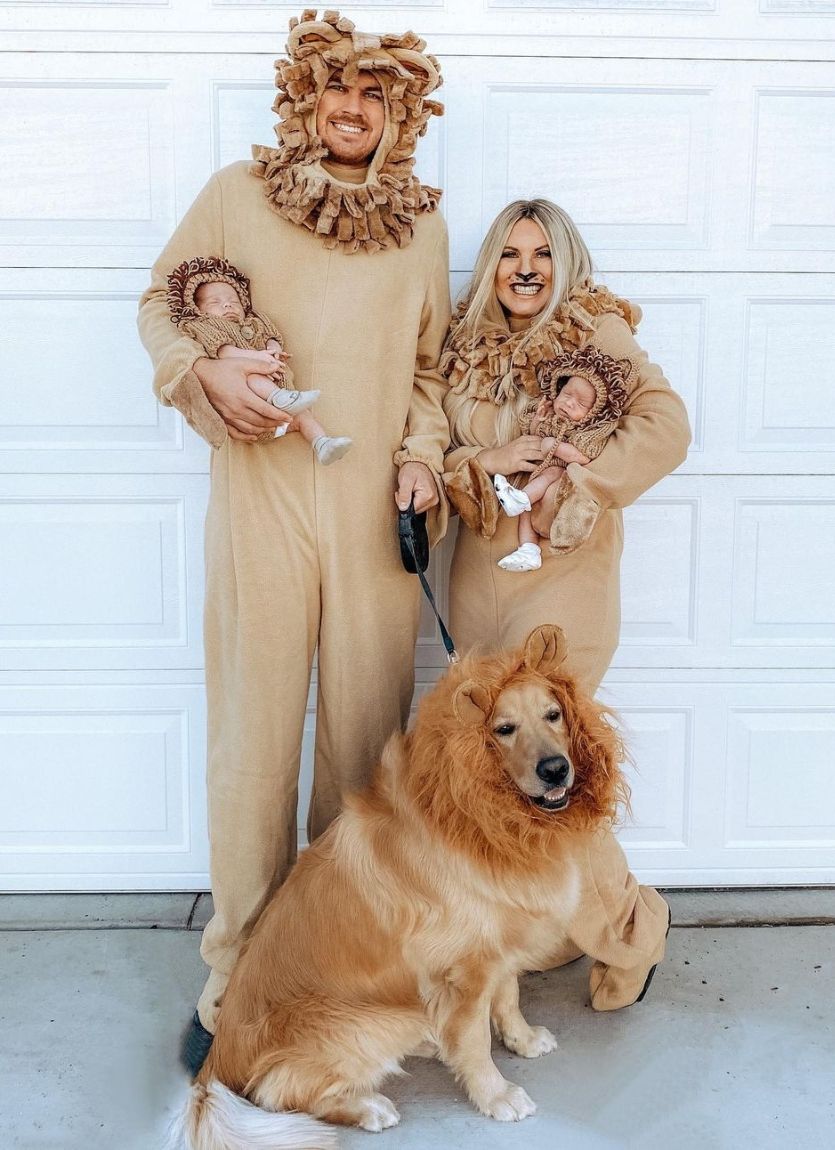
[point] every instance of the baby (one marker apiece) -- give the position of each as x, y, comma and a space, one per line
584, 394
209, 301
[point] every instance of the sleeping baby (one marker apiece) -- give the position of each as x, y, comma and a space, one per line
209, 302
583, 395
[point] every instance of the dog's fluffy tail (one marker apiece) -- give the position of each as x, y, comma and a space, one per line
214, 1118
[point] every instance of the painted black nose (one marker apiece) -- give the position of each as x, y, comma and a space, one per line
554, 771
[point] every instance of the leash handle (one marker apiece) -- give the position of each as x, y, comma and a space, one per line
451, 653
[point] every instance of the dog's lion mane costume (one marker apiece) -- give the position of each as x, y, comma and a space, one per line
455, 773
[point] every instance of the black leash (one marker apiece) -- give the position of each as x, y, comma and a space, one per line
407, 523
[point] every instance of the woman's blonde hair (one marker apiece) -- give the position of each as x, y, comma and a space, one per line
571, 265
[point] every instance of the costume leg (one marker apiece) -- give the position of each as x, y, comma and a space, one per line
370, 612
619, 923
262, 615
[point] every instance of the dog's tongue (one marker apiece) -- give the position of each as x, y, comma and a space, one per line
554, 795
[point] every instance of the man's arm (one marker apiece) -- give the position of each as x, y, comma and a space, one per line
183, 376
427, 431
173, 355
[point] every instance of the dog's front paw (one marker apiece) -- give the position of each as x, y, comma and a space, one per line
537, 1041
511, 1105
376, 1113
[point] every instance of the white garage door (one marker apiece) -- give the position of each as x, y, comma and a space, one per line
693, 141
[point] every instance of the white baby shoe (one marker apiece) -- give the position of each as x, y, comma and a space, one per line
528, 557
513, 501
329, 448
292, 401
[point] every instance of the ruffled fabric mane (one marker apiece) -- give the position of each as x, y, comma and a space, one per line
381, 212
498, 363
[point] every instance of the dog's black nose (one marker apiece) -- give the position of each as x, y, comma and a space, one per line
554, 771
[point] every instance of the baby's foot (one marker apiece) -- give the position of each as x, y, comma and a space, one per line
292, 401
511, 498
329, 448
528, 557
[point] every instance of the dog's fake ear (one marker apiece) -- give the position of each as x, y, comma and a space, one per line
471, 704
545, 649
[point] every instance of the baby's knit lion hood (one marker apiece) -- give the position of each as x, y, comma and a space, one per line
380, 212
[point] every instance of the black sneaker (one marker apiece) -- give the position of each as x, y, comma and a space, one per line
195, 1046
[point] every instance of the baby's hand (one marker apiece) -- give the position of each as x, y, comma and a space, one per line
272, 360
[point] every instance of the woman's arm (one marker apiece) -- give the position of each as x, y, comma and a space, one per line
651, 438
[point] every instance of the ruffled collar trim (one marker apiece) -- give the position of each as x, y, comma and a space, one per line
498, 363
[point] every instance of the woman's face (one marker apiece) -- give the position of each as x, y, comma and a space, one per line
523, 277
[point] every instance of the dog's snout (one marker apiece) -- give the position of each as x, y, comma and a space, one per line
554, 771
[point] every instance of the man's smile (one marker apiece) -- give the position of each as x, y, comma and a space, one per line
349, 129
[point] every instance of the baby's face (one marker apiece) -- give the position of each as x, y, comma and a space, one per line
219, 299
575, 400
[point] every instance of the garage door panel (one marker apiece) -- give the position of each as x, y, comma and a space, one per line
788, 356
784, 558
242, 116
780, 773
794, 161
101, 785
98, 174
659, 162
108, 185
750, 356
748, 795
660, 743
660, 573
587, 142
89, 403
101, 573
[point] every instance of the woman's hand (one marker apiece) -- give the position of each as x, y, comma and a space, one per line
245, 414
522, 454
568, 453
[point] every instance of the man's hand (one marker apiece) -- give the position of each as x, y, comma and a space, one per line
245, 414
418, 480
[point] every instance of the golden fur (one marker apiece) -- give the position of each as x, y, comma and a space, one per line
405, 927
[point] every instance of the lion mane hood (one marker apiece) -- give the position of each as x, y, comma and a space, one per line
380, 212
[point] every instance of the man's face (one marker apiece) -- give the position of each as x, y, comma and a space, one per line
350, 118
219, 299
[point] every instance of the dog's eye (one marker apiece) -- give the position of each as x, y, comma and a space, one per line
505, 729
554, 715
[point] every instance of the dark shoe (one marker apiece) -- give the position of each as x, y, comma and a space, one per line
196, 1044
653, 969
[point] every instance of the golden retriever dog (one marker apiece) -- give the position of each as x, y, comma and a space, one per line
404, 928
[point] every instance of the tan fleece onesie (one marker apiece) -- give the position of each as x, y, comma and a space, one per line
295, 553
619, 923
